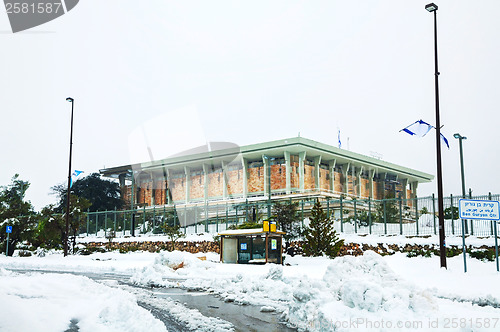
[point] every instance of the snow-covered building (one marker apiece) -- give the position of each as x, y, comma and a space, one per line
294, 167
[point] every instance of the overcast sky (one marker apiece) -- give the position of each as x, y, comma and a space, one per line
248, 72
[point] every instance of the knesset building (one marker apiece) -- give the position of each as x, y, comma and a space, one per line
293, 168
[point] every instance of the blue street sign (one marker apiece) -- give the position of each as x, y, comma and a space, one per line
9, 229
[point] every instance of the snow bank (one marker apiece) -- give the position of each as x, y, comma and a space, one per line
52, 302
350, 286
362, 286
344, 294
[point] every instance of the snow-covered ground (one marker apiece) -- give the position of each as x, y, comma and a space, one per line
370, 292
54, 302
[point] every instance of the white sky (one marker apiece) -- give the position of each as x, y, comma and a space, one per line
254, 71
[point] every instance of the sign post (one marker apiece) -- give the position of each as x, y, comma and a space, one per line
483, 210
8, 230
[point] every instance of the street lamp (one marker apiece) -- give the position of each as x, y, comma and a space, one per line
460, 138
72, 101
432, 8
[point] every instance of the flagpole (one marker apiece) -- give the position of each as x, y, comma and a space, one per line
72, 101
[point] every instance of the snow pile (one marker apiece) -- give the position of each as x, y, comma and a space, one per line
54, 302
355, 287
351, 287
172, 265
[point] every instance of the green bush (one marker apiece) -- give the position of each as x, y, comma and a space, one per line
484, 255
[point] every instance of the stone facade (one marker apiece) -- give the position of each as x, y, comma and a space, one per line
255, 180
151, 190
235, 182
215, 183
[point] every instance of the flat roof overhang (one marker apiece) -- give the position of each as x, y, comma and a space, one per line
273, 149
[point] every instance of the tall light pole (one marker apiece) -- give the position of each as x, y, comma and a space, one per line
460, 138
72, 101
432, 8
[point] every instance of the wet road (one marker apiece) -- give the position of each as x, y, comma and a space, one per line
215, 313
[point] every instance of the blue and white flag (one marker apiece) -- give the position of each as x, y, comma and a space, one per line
445, 141
340, 143
418, 128
74, 177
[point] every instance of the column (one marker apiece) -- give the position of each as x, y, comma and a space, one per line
224, 179
187, 172
317, 162
383, 178
288, 171
404, 184
302, 157
345, 174
331, 170
245, 177
132, 191
205, 182
413, 189
371, 175
266, 170
359, 172
166, 174
153, 199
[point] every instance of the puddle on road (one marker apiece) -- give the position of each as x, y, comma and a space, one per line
243, 317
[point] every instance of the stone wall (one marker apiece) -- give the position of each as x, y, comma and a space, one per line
352, 249
255, 179
215, 184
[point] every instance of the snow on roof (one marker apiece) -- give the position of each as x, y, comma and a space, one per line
247, 231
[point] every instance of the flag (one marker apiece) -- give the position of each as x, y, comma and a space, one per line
445, 141
418, 128
340, 143
74, 177
421, 128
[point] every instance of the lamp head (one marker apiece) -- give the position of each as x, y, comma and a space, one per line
431, 7
457, 135
70, 99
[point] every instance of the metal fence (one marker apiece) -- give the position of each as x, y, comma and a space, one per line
410, 217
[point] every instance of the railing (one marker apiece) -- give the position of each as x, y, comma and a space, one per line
410, 217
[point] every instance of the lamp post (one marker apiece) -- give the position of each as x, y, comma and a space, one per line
460, 138
432, 8
72, 101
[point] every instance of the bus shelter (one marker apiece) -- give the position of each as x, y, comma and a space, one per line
251, 246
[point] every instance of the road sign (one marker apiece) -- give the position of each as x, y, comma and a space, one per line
8, 229
478, 209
